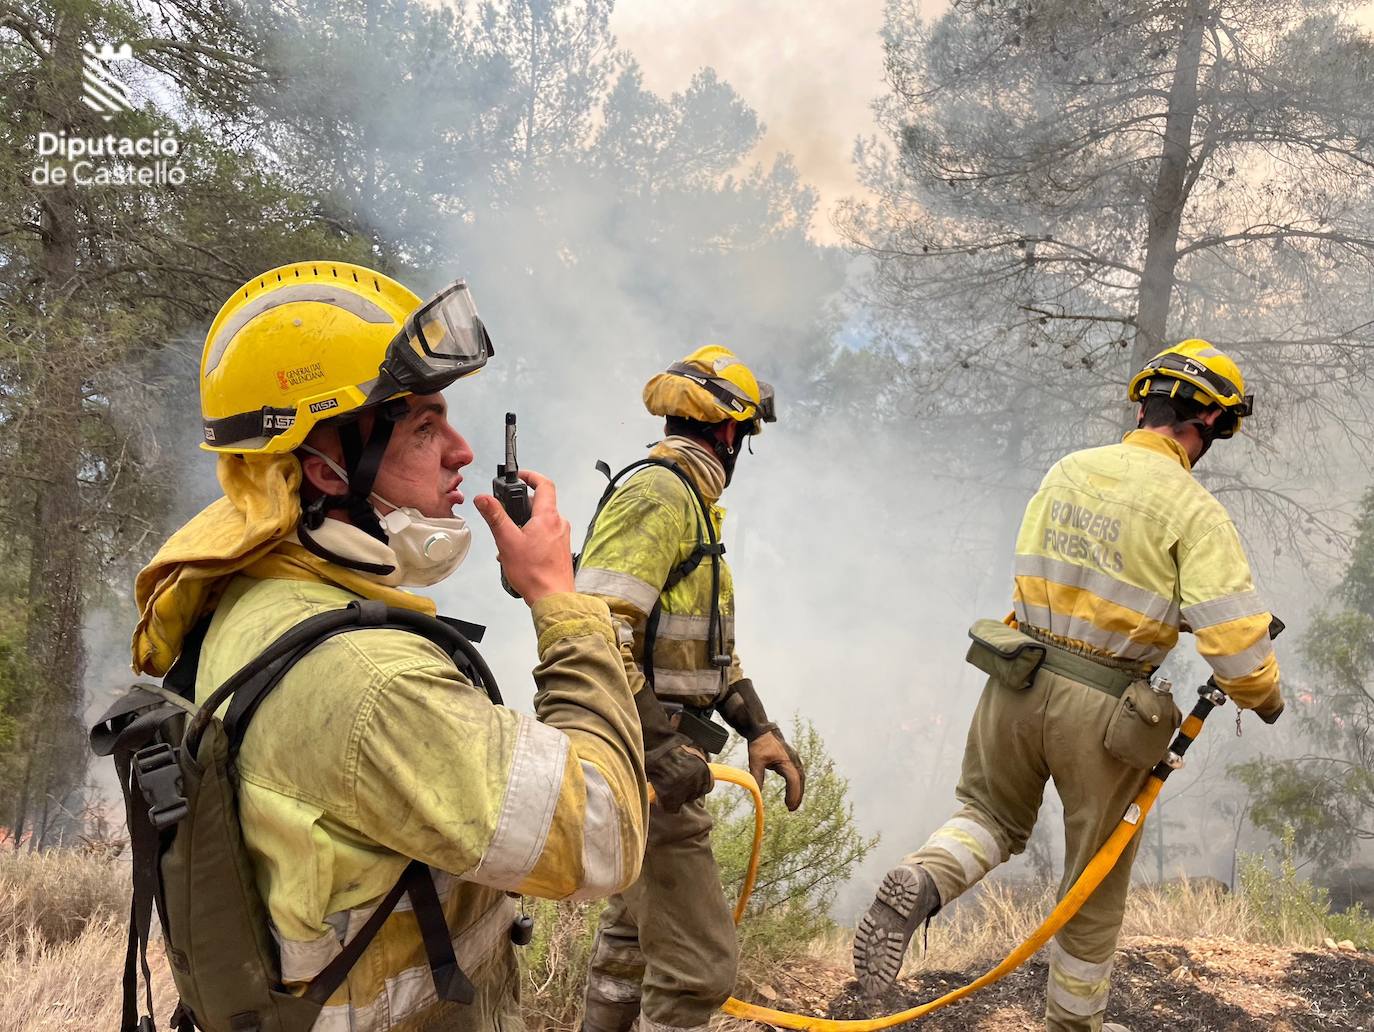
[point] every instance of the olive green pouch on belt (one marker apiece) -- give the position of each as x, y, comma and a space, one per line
1005, 653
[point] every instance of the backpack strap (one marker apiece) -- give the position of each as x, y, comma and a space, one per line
135, 722
707, 546
277, 658
450, 982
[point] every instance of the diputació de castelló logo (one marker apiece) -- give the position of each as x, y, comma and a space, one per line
112, 159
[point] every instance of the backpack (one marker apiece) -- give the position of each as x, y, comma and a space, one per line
176, 763
706, 545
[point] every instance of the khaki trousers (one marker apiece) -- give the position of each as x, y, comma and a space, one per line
666, 946
1019, 740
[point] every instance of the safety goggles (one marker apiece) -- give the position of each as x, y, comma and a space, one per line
439, 342
729, 395
1203, 379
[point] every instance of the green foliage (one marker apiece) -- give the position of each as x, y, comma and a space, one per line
1326, 797
1358, 585
1288, 909
806, 855
1318, 801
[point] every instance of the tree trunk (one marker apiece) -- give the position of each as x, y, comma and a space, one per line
1170, 193
53, 640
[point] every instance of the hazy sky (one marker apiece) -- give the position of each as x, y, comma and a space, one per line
809, 69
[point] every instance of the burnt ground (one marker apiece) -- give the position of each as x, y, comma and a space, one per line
1160, 985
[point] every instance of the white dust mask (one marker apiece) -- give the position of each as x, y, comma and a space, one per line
428, 548
425, 549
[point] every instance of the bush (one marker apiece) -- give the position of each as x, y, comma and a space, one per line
1290, 911
807, 856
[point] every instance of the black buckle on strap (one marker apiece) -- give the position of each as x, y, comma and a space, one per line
159, 779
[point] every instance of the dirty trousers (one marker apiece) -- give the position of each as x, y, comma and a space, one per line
666, 945
1018, 740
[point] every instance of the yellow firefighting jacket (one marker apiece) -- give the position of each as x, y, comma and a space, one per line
375, 749
647, 528
1121, 547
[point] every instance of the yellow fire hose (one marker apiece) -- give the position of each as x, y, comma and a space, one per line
1098, 868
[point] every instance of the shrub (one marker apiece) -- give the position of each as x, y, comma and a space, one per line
806, 857
1290, 911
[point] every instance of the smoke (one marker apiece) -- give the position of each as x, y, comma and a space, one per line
859, 562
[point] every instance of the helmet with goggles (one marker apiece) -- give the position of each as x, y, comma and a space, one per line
711, 385
314, 341
1196, 371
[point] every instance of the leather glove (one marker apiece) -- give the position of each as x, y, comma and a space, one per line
770, 751
1269, 712
678, 772
742, 709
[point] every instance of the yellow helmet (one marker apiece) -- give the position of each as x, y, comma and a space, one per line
711, 385
317, 340
1196, 371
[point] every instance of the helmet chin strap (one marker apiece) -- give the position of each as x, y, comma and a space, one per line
1205, 431
362, 460
728, 455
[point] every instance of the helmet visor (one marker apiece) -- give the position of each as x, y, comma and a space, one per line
768, 411
440, 341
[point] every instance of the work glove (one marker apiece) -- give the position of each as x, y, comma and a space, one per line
675, 767
1269, 712
770, 751
742, 709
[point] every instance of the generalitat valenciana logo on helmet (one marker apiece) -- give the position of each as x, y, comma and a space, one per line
114, 159
300, 375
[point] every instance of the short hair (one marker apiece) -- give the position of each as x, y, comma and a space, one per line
1162, 410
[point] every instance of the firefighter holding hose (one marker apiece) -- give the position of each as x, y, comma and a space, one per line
1119, 550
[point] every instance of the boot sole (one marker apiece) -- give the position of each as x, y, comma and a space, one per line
879, 949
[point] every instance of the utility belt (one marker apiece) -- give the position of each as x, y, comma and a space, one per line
695, 722
1136, 732
1013, 655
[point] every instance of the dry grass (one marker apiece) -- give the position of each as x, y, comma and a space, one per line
62, 939
73, 986
63, 927
981, 928
51, 897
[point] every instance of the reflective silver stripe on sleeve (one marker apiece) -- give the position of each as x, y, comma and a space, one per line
536, 775
639, 593
1220, 610
1090, 634
1247, 661
352, 920
971, 844
1147, 603
688, 682
1078, 986
412, 990
301, 961
689, 627
603, 867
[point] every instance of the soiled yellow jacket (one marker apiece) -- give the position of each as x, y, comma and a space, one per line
1121, 547
374, 749
648, 528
